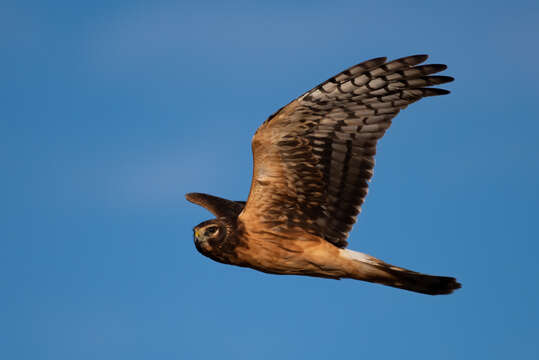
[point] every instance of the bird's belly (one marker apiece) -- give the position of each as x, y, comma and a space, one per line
292, 257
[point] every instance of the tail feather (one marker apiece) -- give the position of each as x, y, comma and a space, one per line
367, 268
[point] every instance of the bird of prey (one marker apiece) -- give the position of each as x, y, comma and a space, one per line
313, 159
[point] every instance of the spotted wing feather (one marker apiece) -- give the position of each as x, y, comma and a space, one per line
314, 157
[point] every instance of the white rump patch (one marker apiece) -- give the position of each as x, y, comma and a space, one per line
356, 255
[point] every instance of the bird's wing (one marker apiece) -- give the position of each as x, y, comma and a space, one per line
314, 157
217, 206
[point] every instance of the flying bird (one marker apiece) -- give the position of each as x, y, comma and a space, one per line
313, 159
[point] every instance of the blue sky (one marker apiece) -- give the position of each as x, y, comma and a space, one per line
112, 110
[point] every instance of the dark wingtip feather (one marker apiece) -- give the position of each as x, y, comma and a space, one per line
414, 59
218, 206
435, 67
439, 79
434, 92
193, 197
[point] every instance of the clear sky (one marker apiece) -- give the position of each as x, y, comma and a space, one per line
113, 110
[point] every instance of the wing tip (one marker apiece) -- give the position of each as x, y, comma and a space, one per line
438, 67
412, 60
192, 197
434, 92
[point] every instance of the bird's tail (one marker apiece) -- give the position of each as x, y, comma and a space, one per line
367, 268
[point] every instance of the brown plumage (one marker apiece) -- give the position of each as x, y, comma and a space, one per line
313, 159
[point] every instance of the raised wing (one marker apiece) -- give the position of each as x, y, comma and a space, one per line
217, 206
314, 157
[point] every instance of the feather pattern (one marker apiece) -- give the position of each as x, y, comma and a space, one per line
314, 157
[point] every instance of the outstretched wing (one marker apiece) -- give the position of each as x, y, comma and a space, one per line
314, 157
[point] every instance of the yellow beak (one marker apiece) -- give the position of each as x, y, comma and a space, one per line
196, 233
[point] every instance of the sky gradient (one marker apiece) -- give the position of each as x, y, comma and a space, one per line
113, 110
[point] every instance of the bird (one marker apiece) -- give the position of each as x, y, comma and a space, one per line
313, 161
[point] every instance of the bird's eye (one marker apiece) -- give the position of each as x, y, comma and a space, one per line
212, 230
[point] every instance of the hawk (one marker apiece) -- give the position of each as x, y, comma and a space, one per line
313, 159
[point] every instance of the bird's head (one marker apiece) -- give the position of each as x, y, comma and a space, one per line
210, 236
218, 238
